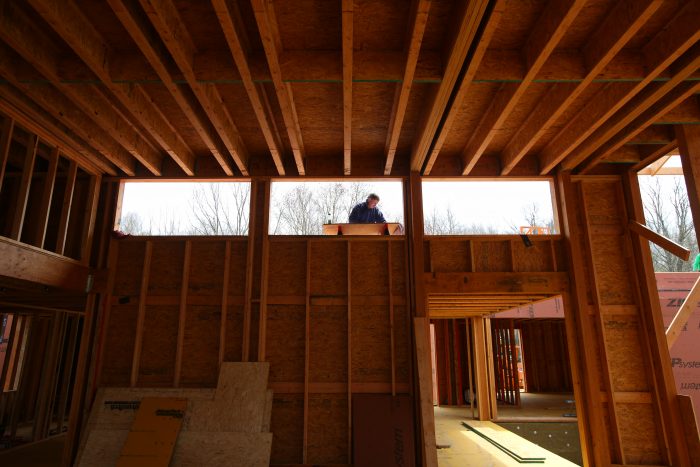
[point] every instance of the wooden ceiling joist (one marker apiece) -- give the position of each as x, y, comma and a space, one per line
459, 72
420, 11
167, 22
151, 48
660, 52
655, 155
77, 31
542, 40
267, 26
619, 26
347, 33
233, 32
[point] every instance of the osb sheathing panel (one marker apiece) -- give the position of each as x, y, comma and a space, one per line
127, 280
628, 371
237, 268
328, 429
450, 256
222, 448
611, 267
402, 344
287, 428
329, 268
638, 432
206, 268
286, 326
492, 256
602, 203
328, 341
398, 268
200, 361
536, 258
119, 345
287, 268
234, 334
157, 367
371, 344
369, 274
166, 268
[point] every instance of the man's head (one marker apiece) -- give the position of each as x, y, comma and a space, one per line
372, 201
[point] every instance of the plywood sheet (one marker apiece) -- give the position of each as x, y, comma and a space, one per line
287, 428
234, 334
328, 429
328, 337
119, 345
329, 268
371, 350
237, 267
200, 360
537, 257
369, 273
638, 434
206, 268
127, 280
286, 326
492, 256
102, 447
628, 371
402, 344
166, 268
399, 269
610, 267
157, 367
287, 268
222, 448
450, 256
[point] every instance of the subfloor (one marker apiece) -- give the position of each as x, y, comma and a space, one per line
45, 453
545, 407
458, 447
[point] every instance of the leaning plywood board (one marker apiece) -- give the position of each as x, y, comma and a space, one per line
222, 448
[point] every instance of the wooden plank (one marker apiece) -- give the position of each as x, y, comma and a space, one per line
421, 327
480, 363
46, 195
224, 302
66, 206
138, 341
419, 15
28, 263
466, 38
165, 18
617, 28
690, 426
496, 282
307, 353
264, 17
347, 34
661, 241
233, 31
349, 339
677, 37
8, 125
89, 218
182, 316
543, 39
159, 59
20, 206
689, 148
74, 28
683, 314
390, 268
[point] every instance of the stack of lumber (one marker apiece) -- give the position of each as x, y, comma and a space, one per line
229, 425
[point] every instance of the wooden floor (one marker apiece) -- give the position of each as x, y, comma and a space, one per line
468, 449
540, 407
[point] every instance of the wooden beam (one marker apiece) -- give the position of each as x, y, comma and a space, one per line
347, 33
28, 263
551, 26
89, 218
169, 25
307, 352
663, 242
233, 31
421, 329
8, 125
689, 148
646, 118
655, 154
467, 45
141, 317
616, 29
496, 282
420, 11
264, 17
182, 317
140, 31
676, 38
681, 318
349, 341
46, 196
20, 208
224, 302
66, 206
74, 28
39, 50
30, 116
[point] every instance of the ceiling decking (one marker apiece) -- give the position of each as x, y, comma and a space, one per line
160, 88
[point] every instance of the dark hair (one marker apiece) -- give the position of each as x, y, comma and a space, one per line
373, 196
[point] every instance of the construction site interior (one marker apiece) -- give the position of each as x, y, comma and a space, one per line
366, 345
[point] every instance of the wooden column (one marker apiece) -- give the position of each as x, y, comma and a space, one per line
483, 404
46, 195
23, 195
688, 137
5, 140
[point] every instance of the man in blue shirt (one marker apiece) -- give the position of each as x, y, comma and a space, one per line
367, 212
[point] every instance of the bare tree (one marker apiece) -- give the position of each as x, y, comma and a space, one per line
531, 217
674, 222
298, 214
220, 209
132, 223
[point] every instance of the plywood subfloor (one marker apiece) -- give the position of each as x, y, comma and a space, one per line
467, 449
550, 407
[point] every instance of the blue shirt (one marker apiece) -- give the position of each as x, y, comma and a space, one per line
362, 214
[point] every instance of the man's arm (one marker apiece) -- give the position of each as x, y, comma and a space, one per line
380, 217
354, 215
